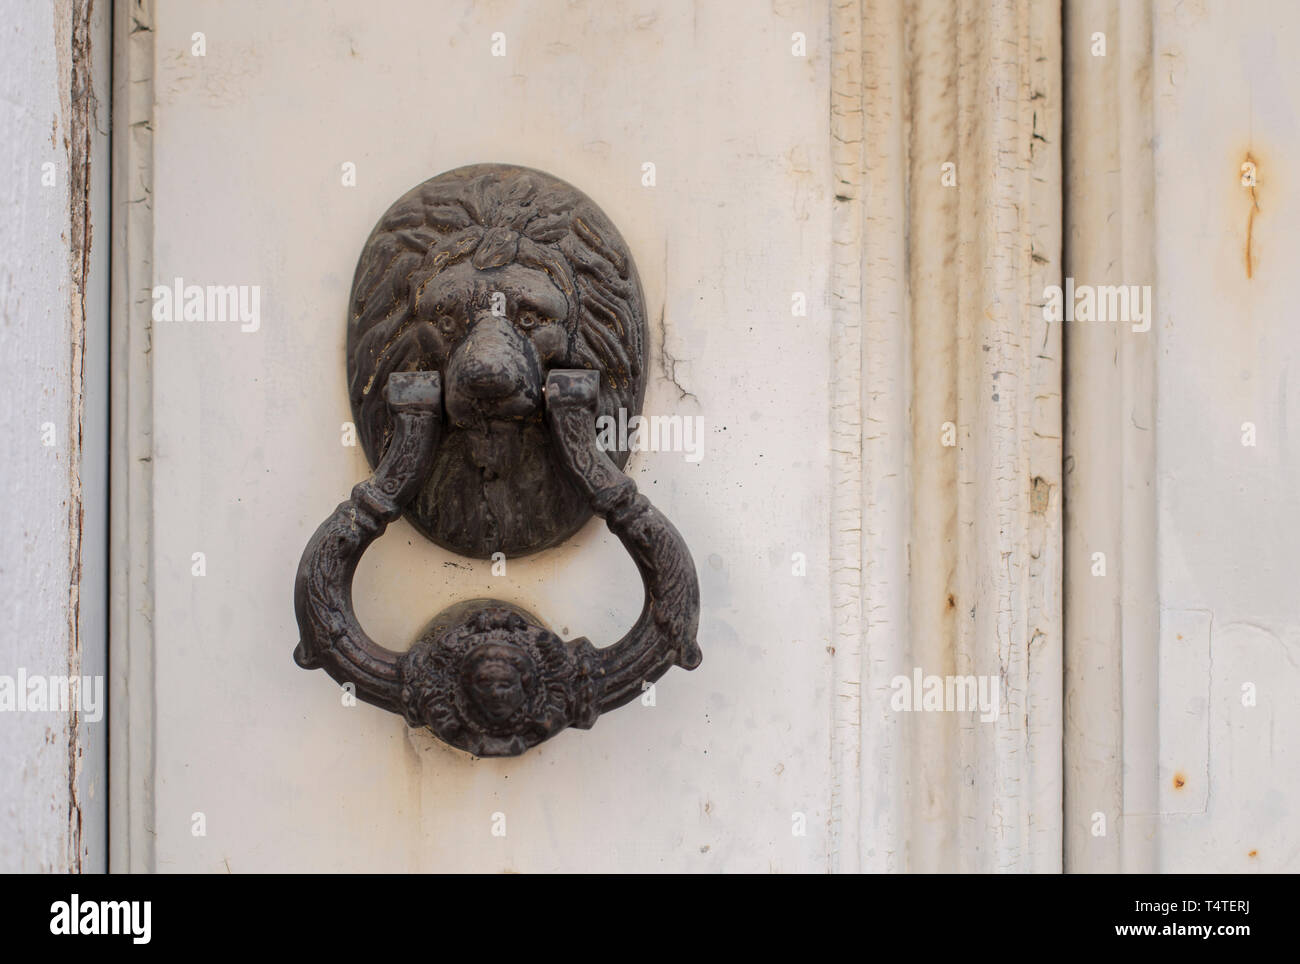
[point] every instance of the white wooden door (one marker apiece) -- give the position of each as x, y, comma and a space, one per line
847, 219
277, 135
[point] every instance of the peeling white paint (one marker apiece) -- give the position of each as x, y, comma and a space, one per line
53, 319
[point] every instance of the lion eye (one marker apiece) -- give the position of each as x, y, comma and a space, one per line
528, 320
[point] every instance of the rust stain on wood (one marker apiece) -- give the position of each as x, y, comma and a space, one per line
1250, 181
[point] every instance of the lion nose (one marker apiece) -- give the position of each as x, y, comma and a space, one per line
483, 381
490, 360
492, 374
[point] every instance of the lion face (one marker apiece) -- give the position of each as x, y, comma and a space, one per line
493, 275
494, 334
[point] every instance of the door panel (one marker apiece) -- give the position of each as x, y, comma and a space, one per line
249, 187
895, 483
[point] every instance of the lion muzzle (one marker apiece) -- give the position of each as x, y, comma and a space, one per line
492, 375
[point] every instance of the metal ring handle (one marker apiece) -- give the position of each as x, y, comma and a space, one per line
486, 676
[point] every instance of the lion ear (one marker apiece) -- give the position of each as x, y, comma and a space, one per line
498, 247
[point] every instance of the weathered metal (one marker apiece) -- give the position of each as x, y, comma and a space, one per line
475, 298
486, 676
493, 275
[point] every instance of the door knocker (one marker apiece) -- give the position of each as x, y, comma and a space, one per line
495, 314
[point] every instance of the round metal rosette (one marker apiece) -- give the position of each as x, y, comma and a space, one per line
487, 677
493, 275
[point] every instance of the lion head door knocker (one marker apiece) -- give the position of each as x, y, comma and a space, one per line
495, 315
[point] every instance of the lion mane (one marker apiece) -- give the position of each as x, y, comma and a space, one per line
493, 215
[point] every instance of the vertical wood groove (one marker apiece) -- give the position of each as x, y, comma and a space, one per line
961, 549
1112, 621
131, 640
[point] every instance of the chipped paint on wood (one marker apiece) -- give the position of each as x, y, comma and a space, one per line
52, 815
934, 291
